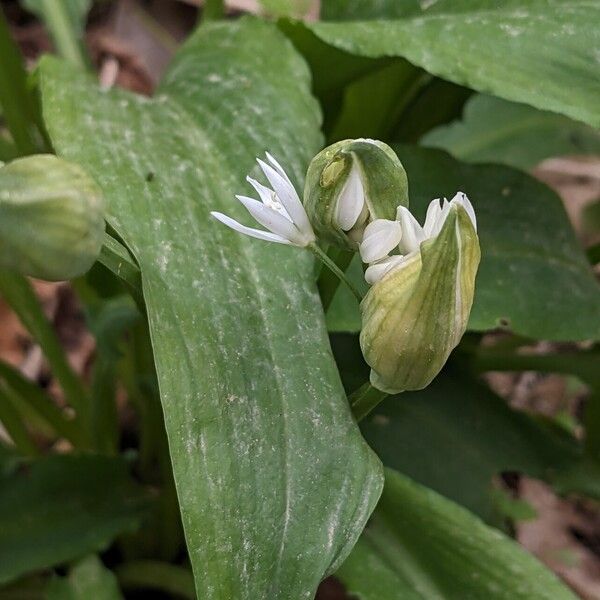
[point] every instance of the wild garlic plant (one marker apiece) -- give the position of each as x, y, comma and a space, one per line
197, 414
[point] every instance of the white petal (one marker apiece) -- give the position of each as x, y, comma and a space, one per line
351, 200
461, 198
278, 168
268, 197
377, 270
441, 218
288, 197
433, 211
412, 232
256, 233
380, 238
272, 220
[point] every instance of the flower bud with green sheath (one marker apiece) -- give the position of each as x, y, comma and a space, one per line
348, 185
417, 310
51, 218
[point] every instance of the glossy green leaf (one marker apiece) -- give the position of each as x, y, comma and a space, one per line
421, 546
542, 52
518, 135
267, 459
534, 278
60, 508
87, 579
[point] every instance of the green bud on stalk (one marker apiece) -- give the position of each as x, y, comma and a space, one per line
417, 312
350, 184
51, 218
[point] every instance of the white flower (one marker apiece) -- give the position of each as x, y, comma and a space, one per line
280, 209
381, 235
351, 210
351, 202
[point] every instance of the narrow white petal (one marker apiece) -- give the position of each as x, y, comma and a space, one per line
272, 220
351, 200
256, 233
461, 198
377, 270
433, 211
441, 218
278, 168
380, 238
268, 197
412, 232
288, 197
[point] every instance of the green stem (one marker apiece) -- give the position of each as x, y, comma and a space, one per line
25, 393
329, 282
117, 259
330, 264
104, 419
364, 400
67, 41
582, 364
16, 103
14, 425
213, 10
17, 291
156, 575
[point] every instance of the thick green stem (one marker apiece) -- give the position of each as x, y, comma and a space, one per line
582, 364
25, 393
14, 425
156, 575
66, 38
16, 103
364, 400
329, 282
17, 291
330, 264
117, 259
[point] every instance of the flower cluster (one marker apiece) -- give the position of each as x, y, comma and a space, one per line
422, 277
404, 234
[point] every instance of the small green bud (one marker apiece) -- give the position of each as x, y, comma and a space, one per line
417, 312
350, 184
51, 218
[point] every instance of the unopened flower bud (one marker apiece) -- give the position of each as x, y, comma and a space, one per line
418, 308
349, 185
51, 218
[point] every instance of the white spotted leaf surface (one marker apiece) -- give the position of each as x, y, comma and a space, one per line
542, 52
274, 480
421, 546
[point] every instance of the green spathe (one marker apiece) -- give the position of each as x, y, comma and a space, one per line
365, 175
416, 314
51, 218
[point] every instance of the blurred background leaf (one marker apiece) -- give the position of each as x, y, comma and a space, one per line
59, 508
495, 130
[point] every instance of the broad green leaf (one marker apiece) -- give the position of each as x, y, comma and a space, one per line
477, 433
60, 508
495, 130
267, 459
87, 579
421, 546
533, 278
542, 52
